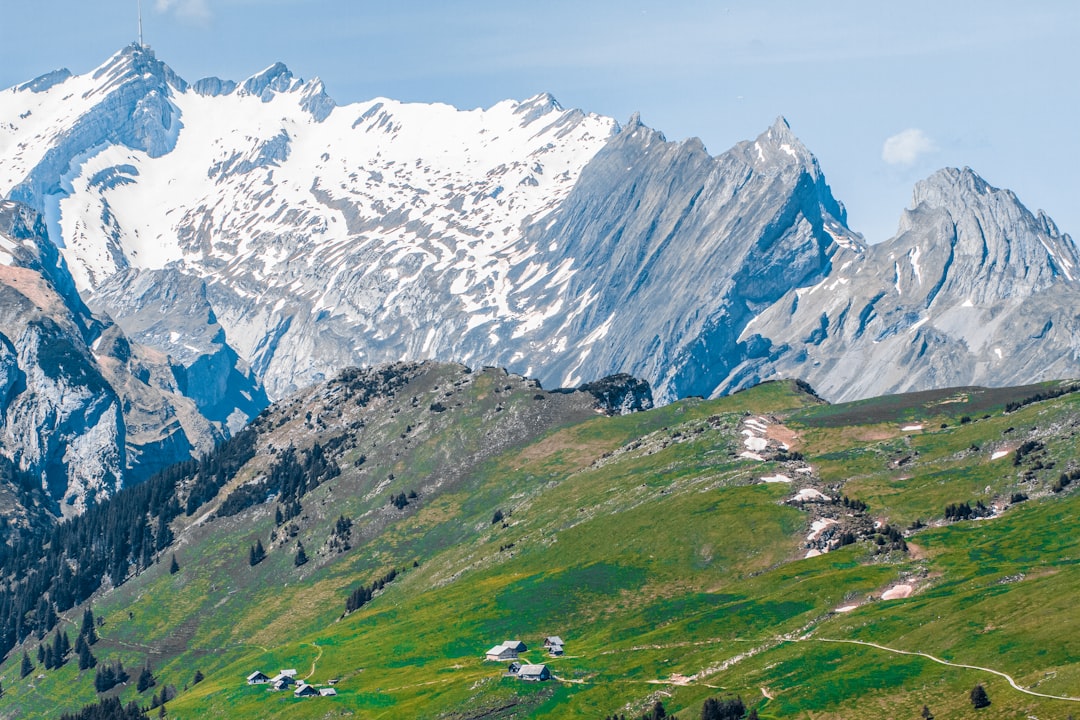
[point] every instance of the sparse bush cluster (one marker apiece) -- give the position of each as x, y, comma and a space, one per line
108, 709
1040, 396
363, 594
712, 709
1064, 480
857, 505
728, 709
341, 535
109, 676
401, 500
965, 511
290, 479
888, 539
1026, 448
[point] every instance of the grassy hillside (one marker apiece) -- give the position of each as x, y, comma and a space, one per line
664, 547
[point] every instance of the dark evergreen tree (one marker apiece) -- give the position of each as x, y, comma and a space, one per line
146, 680
301, 556
198, 677
86, 658
108, 709
27, 666
257, 554
40, 653
728, 709
174, 567
979, 698
658, 711
88, 630
926, 714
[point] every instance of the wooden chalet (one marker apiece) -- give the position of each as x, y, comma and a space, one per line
305, 690
507, 650
534, 673
258, 678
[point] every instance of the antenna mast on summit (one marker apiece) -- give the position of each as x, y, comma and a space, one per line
140, 24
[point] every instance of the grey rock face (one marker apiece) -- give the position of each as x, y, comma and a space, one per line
81, 408
675, 251
974, 290
620, 394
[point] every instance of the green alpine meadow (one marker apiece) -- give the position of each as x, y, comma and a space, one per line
364, 546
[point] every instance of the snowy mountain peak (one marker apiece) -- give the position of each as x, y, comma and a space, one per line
133, 62
263, 85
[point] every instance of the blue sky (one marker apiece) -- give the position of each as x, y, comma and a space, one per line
882, 93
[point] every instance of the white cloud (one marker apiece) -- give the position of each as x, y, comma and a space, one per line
197, 10
906, 146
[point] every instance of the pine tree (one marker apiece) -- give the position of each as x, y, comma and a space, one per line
86, 658
198, 678
926, 714
979, 698
301, 556
257, 554
146, 679
27, 666
174, 567
87, 631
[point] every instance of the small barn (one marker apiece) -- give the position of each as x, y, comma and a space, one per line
534, 673
327, 692
555, 650
551, 640
258, 678
305, 690
501, 653
280, 681
514, 668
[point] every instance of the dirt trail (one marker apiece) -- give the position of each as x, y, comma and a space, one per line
1012, 682
316, 660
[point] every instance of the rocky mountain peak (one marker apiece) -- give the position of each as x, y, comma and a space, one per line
274, 79
995, 246
950, 187
136, 62
778, 145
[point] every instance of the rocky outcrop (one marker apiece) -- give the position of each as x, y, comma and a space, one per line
82, 409
620, 394
974, 290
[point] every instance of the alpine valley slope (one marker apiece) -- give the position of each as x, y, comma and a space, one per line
256, 238
704, 548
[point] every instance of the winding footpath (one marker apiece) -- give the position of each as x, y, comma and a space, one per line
1012, 682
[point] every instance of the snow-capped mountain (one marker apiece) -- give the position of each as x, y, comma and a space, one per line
260, 225
323, 235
